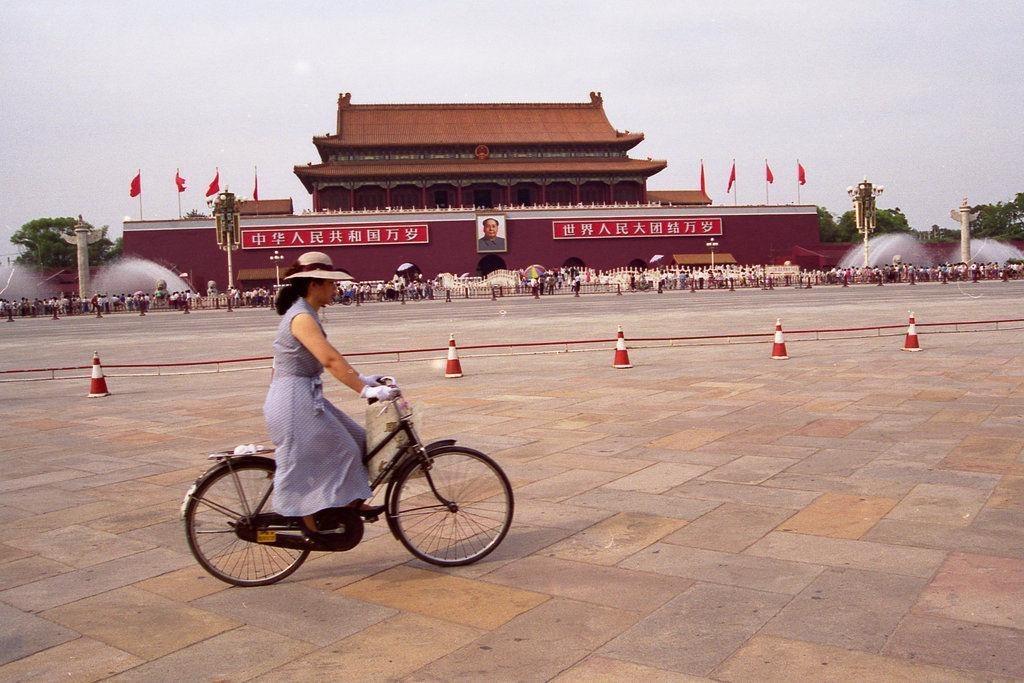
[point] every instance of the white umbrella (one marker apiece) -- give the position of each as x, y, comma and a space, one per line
405, 266
657, 257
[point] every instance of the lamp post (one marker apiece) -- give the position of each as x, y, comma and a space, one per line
229, 233
277, 258
712, 245
863, 196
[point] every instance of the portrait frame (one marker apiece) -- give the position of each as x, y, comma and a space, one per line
501, 236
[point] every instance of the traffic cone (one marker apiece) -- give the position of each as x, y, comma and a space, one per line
621, 361
98, 384
910, 342
453, 368
779, 347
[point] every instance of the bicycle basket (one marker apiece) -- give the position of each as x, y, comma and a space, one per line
379, 423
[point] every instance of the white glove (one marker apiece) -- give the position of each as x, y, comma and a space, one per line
372, 380
380, 393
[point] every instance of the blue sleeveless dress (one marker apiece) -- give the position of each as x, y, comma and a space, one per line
319, 448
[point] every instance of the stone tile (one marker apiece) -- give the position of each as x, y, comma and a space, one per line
139, 518
521, 542
534, 646
959, 644
750, 469
664, 505
295, 611
977, 588
23, 634
917, 473
839, 516
605, 463
565, 485
10, 554
99, 578
28, 569
236, 655
689, 439
823, 483
729, 528
695, 632
829, 427
765, 658
835, 462
745, 571
840, 552
978, 453
932, 504
606, 669
614, 539
634, 590
975, 539
331, 571
445, 597
556, 515
80, 546
1008, 494
658, 478
847, 608
385, 651
184, 585
146, 625
80, 661
747, 495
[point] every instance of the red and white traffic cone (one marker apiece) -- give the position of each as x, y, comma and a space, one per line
910, 342
621, 361
98, 384
779, 347
453, 368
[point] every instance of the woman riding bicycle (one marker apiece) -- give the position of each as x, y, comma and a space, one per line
319, 448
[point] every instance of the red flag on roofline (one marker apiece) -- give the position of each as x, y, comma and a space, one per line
179, 181
801, 174
769, 178
255, 186
214, 187
136, 187
702, 186
732, 177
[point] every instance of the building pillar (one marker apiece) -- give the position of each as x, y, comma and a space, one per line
610, 197
423, 196
643, 192
316, 198
576, 192
543, 193
458, 195
387, 195
352, 198
508, 194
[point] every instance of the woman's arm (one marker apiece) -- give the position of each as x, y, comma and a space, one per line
308, 332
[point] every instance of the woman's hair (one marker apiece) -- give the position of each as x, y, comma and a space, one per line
293, 290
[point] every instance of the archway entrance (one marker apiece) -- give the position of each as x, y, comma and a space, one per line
574, 262
489, 264
637, 263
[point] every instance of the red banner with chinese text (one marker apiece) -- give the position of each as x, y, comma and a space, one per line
335, 236
597, 228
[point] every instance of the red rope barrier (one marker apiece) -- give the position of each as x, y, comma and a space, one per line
569, 342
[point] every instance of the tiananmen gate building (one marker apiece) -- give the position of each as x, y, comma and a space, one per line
478, 187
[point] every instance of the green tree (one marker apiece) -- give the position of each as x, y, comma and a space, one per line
999, 220
44, 246
886, 221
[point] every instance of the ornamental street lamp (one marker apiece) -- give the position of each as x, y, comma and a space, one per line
229, 229
712, 245
277, 258
863, 196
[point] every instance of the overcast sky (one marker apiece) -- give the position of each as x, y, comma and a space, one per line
923, 97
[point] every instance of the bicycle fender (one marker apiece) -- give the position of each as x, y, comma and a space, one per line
222, 465
440, 443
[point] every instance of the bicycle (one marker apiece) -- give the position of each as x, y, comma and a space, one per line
448, 505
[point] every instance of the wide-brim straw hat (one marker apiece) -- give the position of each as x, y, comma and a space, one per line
317, 264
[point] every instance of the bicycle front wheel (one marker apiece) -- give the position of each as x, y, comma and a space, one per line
451, 508
220, 505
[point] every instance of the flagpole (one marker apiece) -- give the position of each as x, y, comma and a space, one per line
797, 181
766, 182
256, 184
140, 194
177, 174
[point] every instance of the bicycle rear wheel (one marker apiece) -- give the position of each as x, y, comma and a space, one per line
452, 508
217, 507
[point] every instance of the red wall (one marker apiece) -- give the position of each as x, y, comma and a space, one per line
753, 238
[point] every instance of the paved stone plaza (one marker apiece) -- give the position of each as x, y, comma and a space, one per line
853, 512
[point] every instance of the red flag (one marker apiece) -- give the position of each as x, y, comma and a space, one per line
732, 177
801, 174
214, 187
702, 187
136, 187
179, 181
768, 173
255, 186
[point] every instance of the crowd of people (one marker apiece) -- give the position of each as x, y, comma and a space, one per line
566, 280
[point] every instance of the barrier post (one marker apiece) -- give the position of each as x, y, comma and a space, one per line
99, 314
447, 296
618, 290
771, 283
10, 313
186, 306
229, 302
55, 311
494, 294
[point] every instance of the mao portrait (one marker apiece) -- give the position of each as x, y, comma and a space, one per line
491, 234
